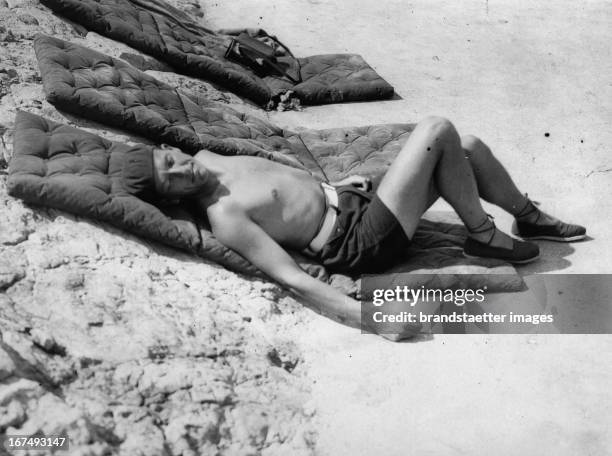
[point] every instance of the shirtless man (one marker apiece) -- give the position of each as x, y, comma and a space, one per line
259, 208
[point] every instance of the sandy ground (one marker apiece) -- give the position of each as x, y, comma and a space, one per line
533, 82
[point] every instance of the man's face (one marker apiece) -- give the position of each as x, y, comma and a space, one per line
177, 174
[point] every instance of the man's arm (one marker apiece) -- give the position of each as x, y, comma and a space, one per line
237, 231
361, 182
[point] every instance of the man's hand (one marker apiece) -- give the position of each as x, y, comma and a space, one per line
361, 182
374, 320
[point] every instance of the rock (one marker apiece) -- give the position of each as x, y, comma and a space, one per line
283, 358
11, 267
4, 158
21, 389
14, 414
8, 278
194, 428
32, 76
74, 280
8, 37
85, 362
249, 427
52, 416
46, 342
14, 225
207, 382
28, 19
7, 365
259, 307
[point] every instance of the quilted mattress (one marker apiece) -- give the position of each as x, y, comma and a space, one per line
59, 166
193, 50
91, 84
66, 168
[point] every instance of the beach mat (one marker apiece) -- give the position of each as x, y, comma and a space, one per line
63, 167
168, 34
94, 85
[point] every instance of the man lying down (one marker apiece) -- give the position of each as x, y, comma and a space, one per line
259, 208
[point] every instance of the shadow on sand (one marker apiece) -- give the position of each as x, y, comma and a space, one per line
552, 257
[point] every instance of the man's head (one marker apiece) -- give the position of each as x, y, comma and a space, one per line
165, 173
176, 174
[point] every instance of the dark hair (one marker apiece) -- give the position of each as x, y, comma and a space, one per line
138, 173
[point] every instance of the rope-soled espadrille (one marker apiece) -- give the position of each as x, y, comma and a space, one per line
558, 231
521, 252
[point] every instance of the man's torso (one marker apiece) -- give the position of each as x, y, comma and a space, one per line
287, 203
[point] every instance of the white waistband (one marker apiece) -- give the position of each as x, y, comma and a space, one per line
329, 219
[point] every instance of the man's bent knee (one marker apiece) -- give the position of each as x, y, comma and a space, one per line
474, 147
471, 142
438, 127
437, 122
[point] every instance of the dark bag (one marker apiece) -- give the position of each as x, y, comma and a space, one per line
259, 57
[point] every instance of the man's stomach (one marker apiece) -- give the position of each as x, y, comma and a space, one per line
293, 217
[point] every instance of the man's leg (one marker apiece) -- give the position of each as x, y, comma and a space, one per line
433, 159
496, 186
494, 183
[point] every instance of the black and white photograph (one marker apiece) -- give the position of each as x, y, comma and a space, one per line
305, 227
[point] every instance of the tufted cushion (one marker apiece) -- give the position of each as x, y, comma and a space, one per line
66, 168
367, 151
336, 78
196, 51
69, 169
